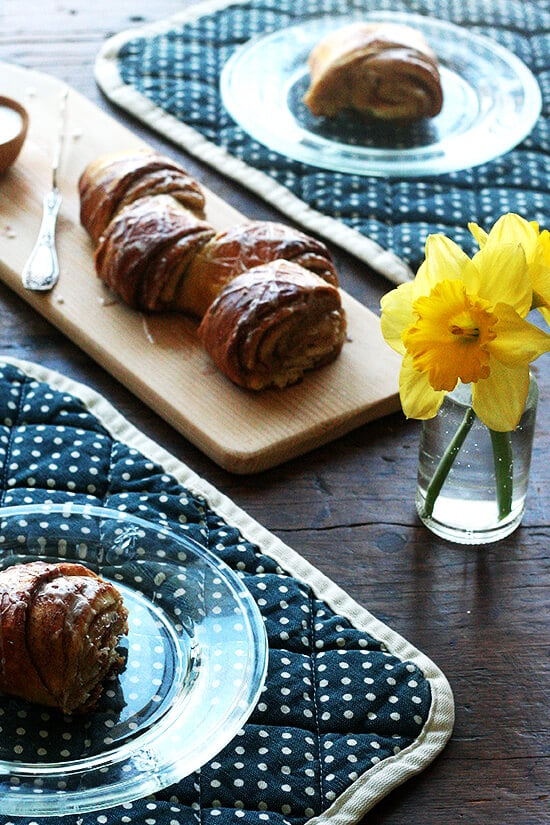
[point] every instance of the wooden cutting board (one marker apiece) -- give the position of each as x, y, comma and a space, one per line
160, 358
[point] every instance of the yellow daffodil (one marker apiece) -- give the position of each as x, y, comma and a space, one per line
512, 228
463, 319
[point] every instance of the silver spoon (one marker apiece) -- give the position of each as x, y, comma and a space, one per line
42, 268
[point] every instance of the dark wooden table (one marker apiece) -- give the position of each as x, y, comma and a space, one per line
481, 614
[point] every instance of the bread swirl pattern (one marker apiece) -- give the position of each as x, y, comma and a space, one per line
272, 324
380, 70
60, 625
245, 246
145, 250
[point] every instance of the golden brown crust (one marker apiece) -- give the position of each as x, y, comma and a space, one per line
267, 293
245, 246
59, 628
272, 324
146, 249
381, 70
112, 181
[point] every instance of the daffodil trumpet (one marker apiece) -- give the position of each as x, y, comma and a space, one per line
463, 320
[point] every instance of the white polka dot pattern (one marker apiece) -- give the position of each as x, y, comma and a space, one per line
397, 215
335, 702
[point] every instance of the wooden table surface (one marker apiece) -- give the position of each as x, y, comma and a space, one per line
481, 614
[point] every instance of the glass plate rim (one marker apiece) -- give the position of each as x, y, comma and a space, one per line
97, 798
376, 165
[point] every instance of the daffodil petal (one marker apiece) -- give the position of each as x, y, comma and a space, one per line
445, 261
512, 228
544, 242
418, 398
504, 276
499, 400
540, 279
397, 315
479, 234
517, 341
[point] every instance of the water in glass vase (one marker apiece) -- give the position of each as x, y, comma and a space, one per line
469, 508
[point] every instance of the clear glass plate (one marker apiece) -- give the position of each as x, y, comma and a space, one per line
196, 658
491, 102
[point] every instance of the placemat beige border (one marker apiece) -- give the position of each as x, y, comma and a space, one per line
109, 80
379, 780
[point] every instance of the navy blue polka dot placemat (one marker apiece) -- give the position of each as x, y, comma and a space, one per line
349, 710
168, 75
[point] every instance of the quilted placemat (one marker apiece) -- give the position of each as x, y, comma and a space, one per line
167, 74
349, 710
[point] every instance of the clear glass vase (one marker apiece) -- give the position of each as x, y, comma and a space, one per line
482, 498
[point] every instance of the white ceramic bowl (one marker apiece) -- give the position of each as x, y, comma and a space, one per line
14, 122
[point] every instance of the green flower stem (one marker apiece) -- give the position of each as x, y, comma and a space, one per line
504, 465
438, 478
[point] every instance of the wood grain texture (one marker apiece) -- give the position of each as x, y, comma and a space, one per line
159, 356
483, 615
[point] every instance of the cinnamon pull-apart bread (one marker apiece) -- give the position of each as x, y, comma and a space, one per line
112, 181
244, 246
273, 323
60, 625
145, 251
267, 293
383, 71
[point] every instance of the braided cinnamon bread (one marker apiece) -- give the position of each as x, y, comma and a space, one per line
60, 625
267, 293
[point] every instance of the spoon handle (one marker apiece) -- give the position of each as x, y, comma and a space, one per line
42, 268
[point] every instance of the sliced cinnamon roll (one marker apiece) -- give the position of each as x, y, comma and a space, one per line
273, 323
245, 246
381, 70
145, 251
112, 181
60, 625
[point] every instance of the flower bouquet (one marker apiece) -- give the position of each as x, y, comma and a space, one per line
461, 328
